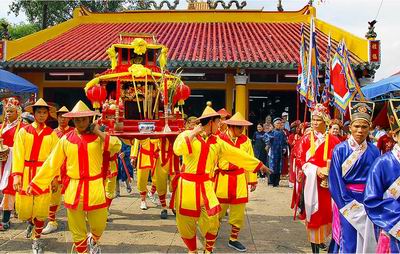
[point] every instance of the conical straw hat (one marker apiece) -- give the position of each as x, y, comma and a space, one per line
208, 112
42, 103
238, 120
80, 110
63, 109
223, 112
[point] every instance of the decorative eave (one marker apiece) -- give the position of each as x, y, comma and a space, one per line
171, 64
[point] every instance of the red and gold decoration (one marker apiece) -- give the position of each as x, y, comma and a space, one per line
137, 94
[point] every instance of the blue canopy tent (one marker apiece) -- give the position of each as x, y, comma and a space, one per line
384, 89
16, 84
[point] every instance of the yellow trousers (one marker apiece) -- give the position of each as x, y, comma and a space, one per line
161, 177
111, 187
187, 225
142, 180
55, 199
31, 207
236, 218
236, 213
208, 226
97, 220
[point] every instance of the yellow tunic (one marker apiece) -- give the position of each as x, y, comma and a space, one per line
146, 151
230, 180
84, 155
31, 149
200, 156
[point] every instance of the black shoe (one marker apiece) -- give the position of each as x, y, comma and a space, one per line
29, 230
237, 246
164, 214
174, 211
323, 246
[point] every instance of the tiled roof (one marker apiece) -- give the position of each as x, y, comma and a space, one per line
250, 45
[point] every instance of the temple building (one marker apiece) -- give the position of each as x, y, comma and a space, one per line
242, 60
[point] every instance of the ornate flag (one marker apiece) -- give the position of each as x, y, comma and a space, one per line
302, 68
308, 83
313, 81
341, 74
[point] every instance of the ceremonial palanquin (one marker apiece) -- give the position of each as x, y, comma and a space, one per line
138, 97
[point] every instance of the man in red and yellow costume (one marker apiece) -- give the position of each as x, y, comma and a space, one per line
195, 199
144, 158
231, 181
33, 145
62, 129
166, 166
83, 150
314, 154
9, 129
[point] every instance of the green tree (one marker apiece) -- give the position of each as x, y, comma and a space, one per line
22, 29
16, 31
50, 13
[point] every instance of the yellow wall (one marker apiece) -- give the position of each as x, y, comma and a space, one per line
37, 78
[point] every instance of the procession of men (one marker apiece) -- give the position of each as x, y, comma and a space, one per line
345, 190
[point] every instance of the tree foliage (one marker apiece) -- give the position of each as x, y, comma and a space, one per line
16, 31
50, 13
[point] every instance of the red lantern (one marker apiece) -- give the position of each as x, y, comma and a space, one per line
97, 95
182, 94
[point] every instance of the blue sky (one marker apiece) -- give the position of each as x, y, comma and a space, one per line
350, 15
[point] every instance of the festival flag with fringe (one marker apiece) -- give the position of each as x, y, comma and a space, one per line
342, 78
313, 71
302, 68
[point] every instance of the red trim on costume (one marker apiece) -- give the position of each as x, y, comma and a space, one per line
81, 246
106, 157
200, 190
189, 145
210, 211
84, 175
232, 186
163, 200
258, 167
52, 212
33, 162
153, 155
205, 149
153, 189
108, 202
36, 190
210, 241
233, 200
191, 244
39, 224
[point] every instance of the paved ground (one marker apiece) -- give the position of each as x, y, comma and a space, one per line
269, 228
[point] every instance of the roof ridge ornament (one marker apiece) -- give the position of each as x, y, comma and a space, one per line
214, 4
279, 6
371, 34
161, 5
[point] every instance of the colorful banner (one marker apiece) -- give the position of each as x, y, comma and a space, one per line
302, 69
308, 83
341, 77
